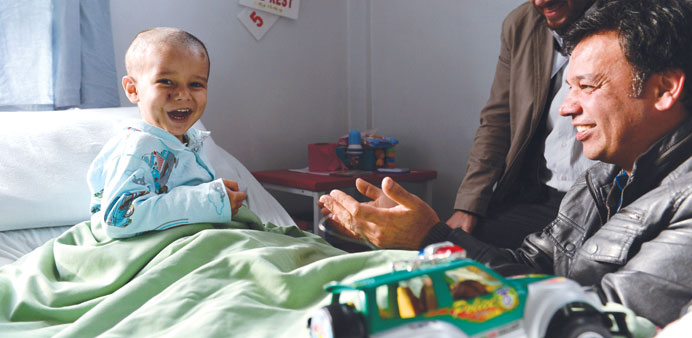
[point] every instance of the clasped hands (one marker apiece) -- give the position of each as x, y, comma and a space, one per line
235, 196
394, 219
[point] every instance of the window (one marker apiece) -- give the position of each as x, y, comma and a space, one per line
469, 282
56, 55
406, 299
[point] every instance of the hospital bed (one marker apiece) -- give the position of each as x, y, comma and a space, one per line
45, 156
61, 276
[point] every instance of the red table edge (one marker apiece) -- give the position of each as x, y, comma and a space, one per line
316, 182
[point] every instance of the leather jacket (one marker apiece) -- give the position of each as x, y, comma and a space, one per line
638, 255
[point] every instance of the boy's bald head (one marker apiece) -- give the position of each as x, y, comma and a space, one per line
157, 38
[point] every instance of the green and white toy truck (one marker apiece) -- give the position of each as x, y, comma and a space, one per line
441, 294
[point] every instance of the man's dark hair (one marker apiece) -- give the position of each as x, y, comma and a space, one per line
655, 35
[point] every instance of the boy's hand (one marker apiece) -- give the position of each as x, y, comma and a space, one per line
235, 196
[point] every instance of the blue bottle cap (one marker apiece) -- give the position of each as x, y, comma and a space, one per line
354, 137
354, 142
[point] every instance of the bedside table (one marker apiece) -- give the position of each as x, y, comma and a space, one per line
316, 185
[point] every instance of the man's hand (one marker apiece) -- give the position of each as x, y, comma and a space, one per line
342, 224
235, 196
462, 220
394, 219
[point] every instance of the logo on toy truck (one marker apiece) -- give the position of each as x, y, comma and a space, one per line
443, 294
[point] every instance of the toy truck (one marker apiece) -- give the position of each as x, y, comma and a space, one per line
442, 294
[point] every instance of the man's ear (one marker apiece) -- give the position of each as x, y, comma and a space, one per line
130, 87
669, 88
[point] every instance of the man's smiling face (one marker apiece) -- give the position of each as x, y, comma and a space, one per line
560, 14
612, 125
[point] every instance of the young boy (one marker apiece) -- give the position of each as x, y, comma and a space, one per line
155, 175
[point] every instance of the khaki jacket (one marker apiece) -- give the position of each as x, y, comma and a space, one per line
513, 112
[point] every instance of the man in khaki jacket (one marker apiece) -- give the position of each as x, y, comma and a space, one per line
524, 156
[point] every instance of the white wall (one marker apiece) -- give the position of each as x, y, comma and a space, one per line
417, 70
267, 99
432, 64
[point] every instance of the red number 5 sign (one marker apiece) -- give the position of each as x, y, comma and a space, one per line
257, 22
256, 19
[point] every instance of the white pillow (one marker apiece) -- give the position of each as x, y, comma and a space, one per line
44, 158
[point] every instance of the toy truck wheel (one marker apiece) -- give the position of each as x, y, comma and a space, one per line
580, 327
337, 321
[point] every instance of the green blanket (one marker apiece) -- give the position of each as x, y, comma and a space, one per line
245, 279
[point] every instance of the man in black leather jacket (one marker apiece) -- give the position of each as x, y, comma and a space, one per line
626, 226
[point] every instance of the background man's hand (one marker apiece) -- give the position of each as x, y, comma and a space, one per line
463, 220
235, 196
394, 219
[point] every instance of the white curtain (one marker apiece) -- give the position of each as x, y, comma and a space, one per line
56, 54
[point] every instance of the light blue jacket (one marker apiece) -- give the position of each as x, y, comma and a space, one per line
145, 179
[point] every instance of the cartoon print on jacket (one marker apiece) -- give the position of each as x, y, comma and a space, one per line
97, 206
121, 217
161, 164
217, 193
140, 181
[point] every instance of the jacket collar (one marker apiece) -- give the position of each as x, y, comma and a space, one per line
669, 156
664, 156
195, 136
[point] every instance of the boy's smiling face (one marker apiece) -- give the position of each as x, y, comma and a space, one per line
170, 87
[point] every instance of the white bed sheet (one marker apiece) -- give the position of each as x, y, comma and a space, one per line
17, 243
